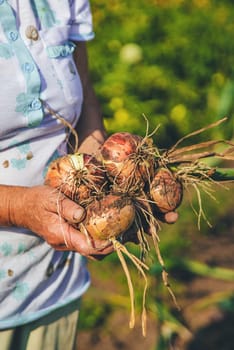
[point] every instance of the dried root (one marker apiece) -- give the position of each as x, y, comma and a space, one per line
120, 250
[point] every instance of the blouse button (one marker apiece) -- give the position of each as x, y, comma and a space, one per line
32, 33
13, 35
27, 67
35, 104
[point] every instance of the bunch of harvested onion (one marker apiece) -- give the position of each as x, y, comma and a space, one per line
131, 184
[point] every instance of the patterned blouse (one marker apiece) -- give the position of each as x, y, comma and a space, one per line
36, 43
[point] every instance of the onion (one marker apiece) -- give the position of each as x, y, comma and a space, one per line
108, 217
78, 176
166, 191
128, 160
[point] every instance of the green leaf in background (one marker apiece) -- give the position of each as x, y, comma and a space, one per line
171, 60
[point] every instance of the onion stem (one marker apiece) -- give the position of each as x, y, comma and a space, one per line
223, 174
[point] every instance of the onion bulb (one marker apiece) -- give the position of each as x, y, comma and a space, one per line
128, 160
108, 217
166, 191
78, 176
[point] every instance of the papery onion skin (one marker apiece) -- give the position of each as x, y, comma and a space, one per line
108, 217
166, 191
77, 176
127, 159
58, 172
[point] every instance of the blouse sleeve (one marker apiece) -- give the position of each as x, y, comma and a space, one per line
81, 21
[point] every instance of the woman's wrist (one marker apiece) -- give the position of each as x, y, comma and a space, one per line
92, 142
11, 205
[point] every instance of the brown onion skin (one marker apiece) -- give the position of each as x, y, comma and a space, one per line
76, 184
166, 191
108, 217
57, 173
120, 155
120, 145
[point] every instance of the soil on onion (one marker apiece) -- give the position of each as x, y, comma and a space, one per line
211, 328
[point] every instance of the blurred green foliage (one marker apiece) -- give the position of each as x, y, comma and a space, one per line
171, 60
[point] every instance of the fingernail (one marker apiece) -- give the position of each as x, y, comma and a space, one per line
171, 217
79, 215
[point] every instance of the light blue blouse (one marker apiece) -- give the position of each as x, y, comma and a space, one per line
36, 64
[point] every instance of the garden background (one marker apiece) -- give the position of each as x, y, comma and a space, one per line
170, 62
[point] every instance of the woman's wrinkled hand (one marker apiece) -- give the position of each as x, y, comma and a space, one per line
51, 215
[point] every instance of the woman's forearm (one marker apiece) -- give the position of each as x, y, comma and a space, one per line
50, 215
12, 197
90, 127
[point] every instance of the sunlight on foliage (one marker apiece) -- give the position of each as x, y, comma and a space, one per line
157, 55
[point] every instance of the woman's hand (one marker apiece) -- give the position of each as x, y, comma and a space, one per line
51, 215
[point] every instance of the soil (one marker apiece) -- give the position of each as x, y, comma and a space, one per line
207, 325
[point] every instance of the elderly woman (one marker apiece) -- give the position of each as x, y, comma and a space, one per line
44, 67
